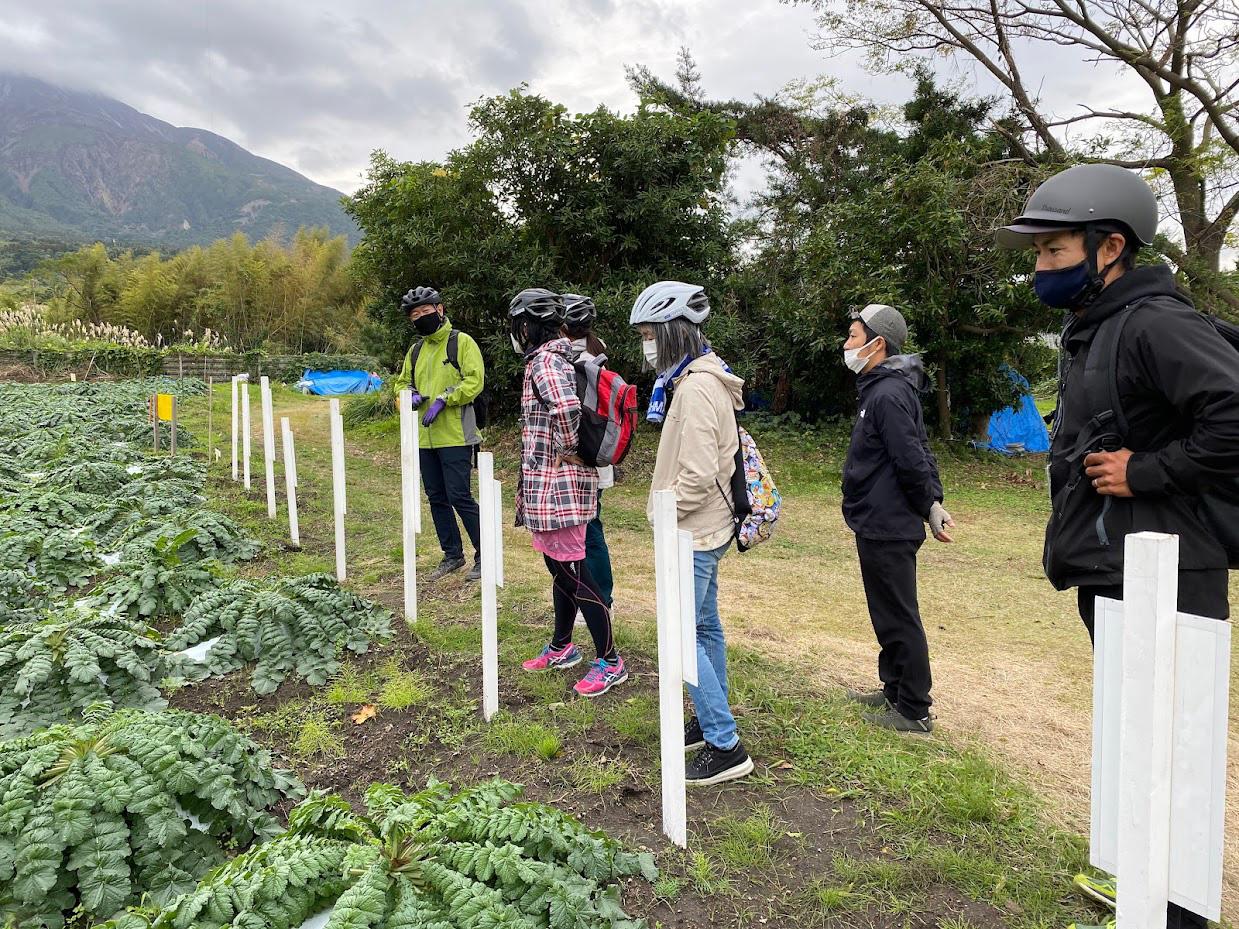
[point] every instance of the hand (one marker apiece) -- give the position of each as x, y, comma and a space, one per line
433, 413
1108, 472
574, 459
939, 521
418, 399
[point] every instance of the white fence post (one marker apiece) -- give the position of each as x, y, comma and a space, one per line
268, 441
487, 489
409, 492
498, 497
245, 431
417, 470
290, 482
670, 667
337, 481
210, 418
1146, 713
688, 609
235, 426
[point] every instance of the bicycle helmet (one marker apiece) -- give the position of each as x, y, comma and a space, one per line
668, 300
419, 296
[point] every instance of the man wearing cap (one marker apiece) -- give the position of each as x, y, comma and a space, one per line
890, 490
445, 371
1147, 418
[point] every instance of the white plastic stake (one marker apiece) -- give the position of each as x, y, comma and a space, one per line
409, 492
210, 418
487, 488
290, 482
235, 426
337, 481
417, 471
688, 608
268, 442
1146, 711
670, 667
498, 495
245, 431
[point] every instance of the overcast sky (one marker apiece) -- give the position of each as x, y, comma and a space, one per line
318, 86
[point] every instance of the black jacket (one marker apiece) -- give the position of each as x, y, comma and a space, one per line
890, 478
1178, 384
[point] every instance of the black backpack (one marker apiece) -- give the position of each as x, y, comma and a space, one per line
481, 403
1218, 506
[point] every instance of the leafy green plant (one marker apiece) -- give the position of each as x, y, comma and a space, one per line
201, 534
71, 659
434, 859
133, 805
297, 625
157, 582
59, 558
22, 597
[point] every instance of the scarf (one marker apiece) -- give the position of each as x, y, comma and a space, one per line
656, 412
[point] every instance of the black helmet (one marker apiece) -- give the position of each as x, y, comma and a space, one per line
537, 303
579, 310
1087, 196
419, 296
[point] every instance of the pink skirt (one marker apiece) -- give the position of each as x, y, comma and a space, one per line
567, 544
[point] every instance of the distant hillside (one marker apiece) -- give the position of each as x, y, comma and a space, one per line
78, 167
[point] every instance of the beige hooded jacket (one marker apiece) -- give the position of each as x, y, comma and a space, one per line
697, 451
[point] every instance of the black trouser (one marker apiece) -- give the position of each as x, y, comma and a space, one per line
574, 589
889, 572
446, 475
1201, 593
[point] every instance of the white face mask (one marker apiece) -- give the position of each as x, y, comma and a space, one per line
516, 346
851, 357
650, 348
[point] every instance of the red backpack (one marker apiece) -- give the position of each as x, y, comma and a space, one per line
608, 412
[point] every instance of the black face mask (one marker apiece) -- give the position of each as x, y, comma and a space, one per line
428, 324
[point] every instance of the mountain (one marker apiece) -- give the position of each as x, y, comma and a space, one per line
80, 167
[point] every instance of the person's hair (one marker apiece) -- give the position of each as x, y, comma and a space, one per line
676, 339
537, 332
1131, 245
585, 331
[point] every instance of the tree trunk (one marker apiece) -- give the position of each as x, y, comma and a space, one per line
944, 400
782, 394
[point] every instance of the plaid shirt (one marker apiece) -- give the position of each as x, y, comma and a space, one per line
547, 497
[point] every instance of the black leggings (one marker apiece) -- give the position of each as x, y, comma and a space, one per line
574, 589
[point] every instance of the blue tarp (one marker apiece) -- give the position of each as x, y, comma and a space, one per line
332, 383
1018, 425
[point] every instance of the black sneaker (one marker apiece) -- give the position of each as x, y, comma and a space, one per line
694, 738
713, 765
475, 573
890, 718
446, 567
876, 699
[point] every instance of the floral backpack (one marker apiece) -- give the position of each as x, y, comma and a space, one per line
758, 502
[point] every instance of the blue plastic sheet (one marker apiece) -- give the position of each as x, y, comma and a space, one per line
1019, 428
334, 383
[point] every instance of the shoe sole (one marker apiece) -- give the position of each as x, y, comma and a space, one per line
554, 667
693, 746
599, 693
741, 770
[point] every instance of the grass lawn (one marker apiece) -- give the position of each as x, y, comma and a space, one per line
840, 824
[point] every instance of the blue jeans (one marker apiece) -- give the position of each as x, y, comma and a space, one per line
710, 694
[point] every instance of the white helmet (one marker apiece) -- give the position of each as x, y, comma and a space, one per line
668, 300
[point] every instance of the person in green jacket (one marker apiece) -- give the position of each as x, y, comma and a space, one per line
445, 371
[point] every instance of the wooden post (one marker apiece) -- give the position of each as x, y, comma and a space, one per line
245, 431
172, 450
670, 667
409, 492
290, 482
337, 480
268, 442
1146, 713
490, 605
235, 426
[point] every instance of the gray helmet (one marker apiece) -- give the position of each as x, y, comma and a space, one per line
668, 300
419, 296
1082, 196
537, 303
579, 310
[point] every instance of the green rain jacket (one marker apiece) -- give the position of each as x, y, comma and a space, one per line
436, 377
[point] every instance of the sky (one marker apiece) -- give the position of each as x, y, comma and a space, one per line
318, 86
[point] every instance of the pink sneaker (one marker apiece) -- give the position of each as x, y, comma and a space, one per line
602, 676
550, 659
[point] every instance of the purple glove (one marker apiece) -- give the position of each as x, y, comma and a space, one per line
418, 399
435, 409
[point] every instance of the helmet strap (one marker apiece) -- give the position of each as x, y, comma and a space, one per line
1096, 277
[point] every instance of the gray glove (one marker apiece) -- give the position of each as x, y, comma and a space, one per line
939, 521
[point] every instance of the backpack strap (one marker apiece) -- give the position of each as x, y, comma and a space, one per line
453, 355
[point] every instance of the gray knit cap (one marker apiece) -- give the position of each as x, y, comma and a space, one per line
887, 322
